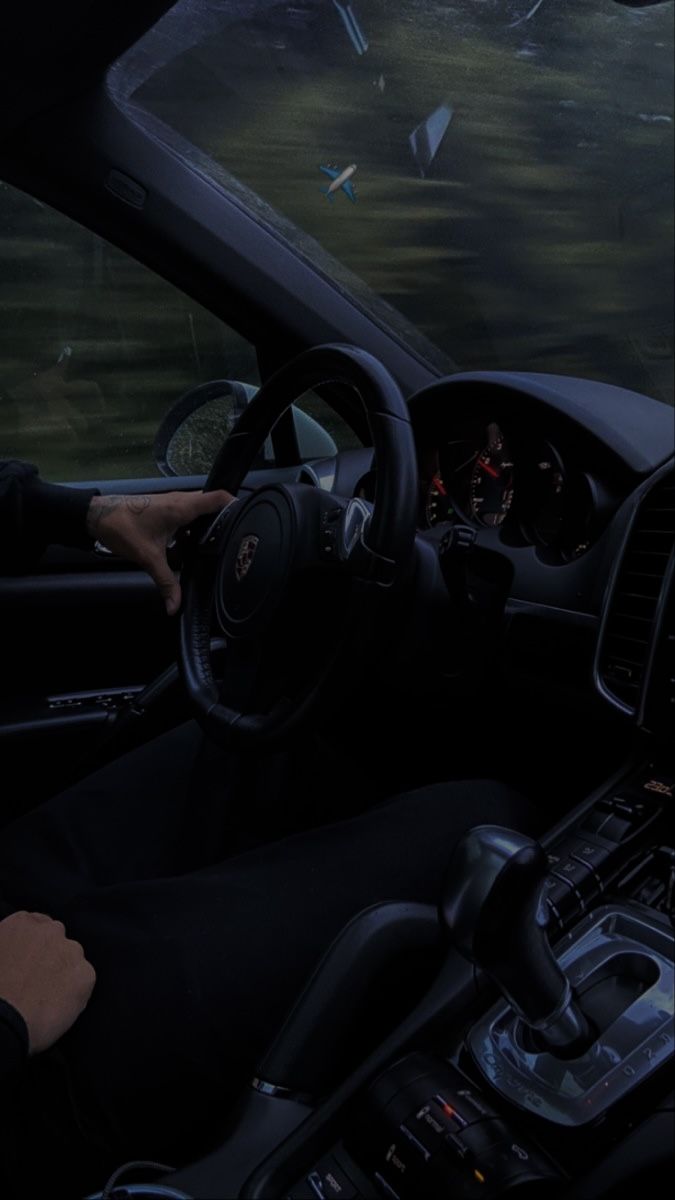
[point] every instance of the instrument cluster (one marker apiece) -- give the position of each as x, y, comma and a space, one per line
515, 481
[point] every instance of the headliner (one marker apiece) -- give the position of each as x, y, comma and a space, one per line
50, 52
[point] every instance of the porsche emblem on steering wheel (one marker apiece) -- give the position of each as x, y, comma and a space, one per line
245, 555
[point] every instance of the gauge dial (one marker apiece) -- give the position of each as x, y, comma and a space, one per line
439, 506
491, 484
549, 496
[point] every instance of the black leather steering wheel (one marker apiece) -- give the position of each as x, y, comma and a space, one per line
250, 568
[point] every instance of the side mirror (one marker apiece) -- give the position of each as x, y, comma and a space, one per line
194, 429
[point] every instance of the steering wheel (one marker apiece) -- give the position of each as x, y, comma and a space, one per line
267, 569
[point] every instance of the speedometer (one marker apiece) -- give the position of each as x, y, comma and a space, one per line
491, 484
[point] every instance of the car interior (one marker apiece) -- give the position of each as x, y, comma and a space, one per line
429, 573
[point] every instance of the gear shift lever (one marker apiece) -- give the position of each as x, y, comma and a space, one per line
495, 912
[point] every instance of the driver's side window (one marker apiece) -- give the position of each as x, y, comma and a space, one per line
95, 348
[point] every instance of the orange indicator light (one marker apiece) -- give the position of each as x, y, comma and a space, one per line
479, 1176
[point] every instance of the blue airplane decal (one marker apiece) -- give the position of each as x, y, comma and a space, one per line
347, 187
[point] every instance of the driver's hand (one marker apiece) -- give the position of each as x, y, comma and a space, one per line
139, 528
43, 975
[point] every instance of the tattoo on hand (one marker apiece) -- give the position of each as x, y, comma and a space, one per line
103, 506
137, 504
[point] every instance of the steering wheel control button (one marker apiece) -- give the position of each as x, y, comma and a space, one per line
211, 539
354, 523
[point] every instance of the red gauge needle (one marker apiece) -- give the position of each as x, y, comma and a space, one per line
438, 484
488, 469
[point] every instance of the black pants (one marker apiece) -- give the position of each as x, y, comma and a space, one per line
200, 946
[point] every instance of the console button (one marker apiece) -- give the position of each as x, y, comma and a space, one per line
399, 1164
632, 807
386, 1187
587, 852
596, 819
426, 1143
560, 892
555, 856
499, 1158
459, 1149
616, 829
555, 921
429, 1125
462, 1105
479, 1137
329, 1181
579, 875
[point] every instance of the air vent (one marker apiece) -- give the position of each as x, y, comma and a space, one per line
633, 602
659, 700
668, 706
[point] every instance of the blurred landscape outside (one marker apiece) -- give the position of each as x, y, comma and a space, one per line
527, 226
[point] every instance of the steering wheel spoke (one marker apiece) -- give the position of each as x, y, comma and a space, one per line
334, 533
212, 538
353, 549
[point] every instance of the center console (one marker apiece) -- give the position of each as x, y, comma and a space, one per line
495, 1109
539, 1062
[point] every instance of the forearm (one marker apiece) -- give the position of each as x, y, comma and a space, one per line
34, 514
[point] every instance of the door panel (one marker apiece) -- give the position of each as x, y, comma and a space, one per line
77, 636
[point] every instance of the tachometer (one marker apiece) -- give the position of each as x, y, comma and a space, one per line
491, 484
439, 506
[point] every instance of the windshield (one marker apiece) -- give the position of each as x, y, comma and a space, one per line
498, 171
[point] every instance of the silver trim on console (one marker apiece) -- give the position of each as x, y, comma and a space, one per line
574, 1092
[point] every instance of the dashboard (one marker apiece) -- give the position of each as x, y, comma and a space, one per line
493, 474
540, 466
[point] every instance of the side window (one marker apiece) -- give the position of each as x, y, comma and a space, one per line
94, 348
321, 431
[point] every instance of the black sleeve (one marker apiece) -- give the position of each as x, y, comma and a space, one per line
13, 1044
35, 514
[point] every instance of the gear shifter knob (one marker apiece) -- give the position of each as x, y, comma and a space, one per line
494, 909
